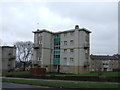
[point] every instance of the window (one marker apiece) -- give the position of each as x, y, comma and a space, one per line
55, 67
65, 34
39, 42
57, 48
65, 50
71, 50
40, 34
87, 38
39, 59
65, 42
56, 56
71, 33
71, 42
86, 51
71, 59
10, 53
65, 60
57, 43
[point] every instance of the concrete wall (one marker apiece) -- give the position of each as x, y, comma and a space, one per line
47, 48
0, 59
68, 55
79, 54
111, 64
8, 58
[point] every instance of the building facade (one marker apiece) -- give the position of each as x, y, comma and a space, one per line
105, 62
7, 58
64, 52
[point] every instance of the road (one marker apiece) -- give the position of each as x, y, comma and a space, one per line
14, 86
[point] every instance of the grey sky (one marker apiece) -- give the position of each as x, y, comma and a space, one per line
19, 19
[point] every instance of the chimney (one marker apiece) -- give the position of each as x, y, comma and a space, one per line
38, 30
76, 26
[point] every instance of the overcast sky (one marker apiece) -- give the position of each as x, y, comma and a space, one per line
19, 19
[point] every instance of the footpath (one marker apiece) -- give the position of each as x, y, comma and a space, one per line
60, 80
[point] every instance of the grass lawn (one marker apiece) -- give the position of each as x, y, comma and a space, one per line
63, 84
0, 74
88, 74
60, 74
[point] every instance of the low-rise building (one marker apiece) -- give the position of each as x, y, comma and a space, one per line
7, 58
64, 52
104, 62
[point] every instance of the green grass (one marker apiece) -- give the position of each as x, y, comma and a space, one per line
59, 74
88, 74
111, 73
0, 74
63, 84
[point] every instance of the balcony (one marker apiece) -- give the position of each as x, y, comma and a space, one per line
86, 45
12, 57
86, 64
37, 46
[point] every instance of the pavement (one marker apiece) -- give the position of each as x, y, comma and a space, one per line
61, 80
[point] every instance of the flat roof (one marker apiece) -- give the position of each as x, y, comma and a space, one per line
66, 31
7, 46
105, 57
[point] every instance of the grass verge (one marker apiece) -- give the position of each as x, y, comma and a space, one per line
60, 74
88, 74
62, 84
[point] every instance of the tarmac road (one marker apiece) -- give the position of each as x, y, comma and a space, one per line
14, 86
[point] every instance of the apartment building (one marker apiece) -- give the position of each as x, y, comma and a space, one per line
64, 52
7, 58
105, 62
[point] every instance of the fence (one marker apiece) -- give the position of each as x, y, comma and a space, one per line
37, 70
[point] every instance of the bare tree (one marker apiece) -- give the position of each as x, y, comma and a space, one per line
98, 68
24, 52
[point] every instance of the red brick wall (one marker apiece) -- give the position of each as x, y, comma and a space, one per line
37, 70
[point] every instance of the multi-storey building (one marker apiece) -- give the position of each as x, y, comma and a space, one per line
7, 58
64, 52
105, 62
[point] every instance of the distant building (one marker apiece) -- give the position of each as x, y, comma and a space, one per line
105, 62
7, 58
64, 52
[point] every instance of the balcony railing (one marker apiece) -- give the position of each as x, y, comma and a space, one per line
86, 64
86, 45
12, 57
35, 46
